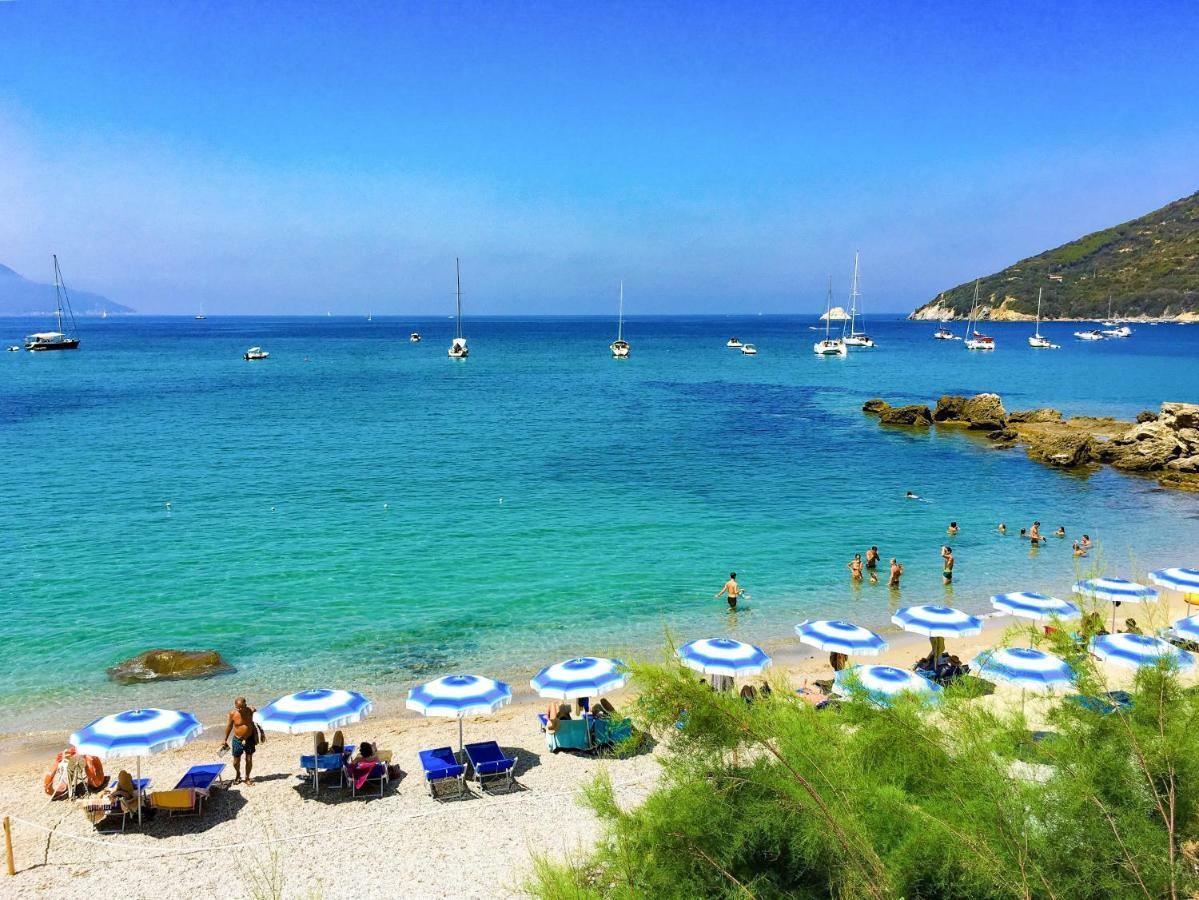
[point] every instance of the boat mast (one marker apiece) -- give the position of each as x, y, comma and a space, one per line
620, 315
853, 296
828, 308
60, 292
1039, 290
458, 275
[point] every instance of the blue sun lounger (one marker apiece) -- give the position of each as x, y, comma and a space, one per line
488, 761
326, 763
1105, 705
440, 766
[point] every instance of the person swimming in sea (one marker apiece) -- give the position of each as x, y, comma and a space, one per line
1079, 550
1061, 531
1002, 528
1086, 542
952, 529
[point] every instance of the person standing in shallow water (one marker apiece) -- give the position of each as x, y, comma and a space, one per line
872, 558
947, 564
855, 567
896, 573
732, 589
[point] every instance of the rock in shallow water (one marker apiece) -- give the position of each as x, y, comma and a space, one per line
875, 406
915, 414
167, 665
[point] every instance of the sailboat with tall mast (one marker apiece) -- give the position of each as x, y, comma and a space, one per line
62, 339
830, 346
620, 347
856, 338
458, 348
1037, 340
975, 339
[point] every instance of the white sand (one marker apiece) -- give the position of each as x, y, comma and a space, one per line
405, 844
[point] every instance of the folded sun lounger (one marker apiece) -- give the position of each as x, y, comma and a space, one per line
440, 767
487, 760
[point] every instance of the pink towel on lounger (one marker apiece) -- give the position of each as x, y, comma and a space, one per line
361, 771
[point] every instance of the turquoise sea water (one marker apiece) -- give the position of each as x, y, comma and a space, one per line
359, 511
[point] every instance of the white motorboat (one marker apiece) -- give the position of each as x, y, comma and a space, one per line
830, 346
1037, 340
62, 339
255, 353
749, 349
620, 347
733, 343
856, 338
1092, 335
944, 334
1120, 331
14, 349
414, 337
975, 339
458, 349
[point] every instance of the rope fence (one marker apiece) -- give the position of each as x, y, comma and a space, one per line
376, 822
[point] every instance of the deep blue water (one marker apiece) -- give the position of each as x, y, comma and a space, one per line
361, 511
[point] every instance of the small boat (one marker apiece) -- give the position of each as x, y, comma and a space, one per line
975, 339
749, 349
14, 349
1093, 335
255, 353
1120, 331
60, 339
733, 343
944, 334
103, 314
369, 317
830, 346
620, 347
414, 337
1037, 340
855, 338
458, 348
200, 315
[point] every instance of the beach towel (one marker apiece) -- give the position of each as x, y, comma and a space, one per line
361, 770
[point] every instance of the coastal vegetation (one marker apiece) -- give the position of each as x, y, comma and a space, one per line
1146, 267
774, 798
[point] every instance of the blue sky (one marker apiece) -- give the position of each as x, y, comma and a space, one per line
719, 157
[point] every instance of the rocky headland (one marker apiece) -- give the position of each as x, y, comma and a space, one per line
1162, 444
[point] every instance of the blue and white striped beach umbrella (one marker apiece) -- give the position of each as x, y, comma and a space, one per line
1177, 579
883, 683
1187, 629
1115, 590
319, 709
586, 676
1136, 650
937, 621
459, 696
1023, 667
136, 732
840, 637
1039, 607
723, 656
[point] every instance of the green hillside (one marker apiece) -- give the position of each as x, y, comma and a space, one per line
1149, 267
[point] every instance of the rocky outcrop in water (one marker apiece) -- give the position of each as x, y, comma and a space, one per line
169, 665
1165, 443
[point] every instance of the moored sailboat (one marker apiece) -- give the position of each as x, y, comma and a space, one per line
975, 339
620, 347
458, 349
830, 346
856, 338
62, 339
1037, 340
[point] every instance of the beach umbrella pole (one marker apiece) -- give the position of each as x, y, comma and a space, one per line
460, 743
316, 771
138, 786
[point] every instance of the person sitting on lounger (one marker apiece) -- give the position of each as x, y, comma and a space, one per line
366, 753
1131, 627
748, 694
603, 709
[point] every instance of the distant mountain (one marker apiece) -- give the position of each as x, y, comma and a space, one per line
22, 297
1149, 267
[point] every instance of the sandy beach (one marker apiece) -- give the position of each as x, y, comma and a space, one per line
274, 839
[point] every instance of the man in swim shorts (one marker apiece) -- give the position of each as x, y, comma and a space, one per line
947, 570
732, 589
244, 729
